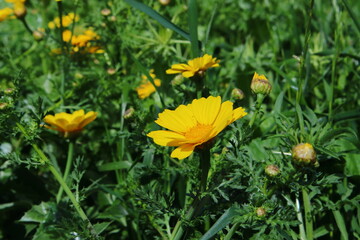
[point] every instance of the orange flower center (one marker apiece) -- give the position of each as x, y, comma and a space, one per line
199, 133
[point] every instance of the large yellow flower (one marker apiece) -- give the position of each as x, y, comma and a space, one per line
67, 20
69, 124
195, 66
147, 88
194, 124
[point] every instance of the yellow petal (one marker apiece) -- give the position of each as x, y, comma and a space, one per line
88, 118
179, 120
166, 138
206, 110
224, 117
188, 74
183, 151
238, 113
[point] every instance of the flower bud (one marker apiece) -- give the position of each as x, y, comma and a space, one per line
164, 2
237, 94
178, 79
111, 71
129, 113
3, 106
261, 212
260, 84
105, 12
38, 35
304, 155
272, 170
9, 91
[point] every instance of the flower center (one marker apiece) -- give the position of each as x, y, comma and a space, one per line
199, 133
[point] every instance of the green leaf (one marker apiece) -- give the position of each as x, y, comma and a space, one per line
160, 19
37, 213
114, 166
100, 227
278, 102
341, 224
222, 222
193, 25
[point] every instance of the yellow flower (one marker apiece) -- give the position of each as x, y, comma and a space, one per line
146, 88
5, 13
194, 124
195, 66
81, 43
67, 20
69, 124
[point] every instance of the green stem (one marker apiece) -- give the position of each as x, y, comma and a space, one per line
300, 218
308, 217
67, 169
26, 25
44, 159
259, 100
179, 228
232, 231
204, 166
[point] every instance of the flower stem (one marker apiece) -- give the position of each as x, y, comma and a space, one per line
232, 231
204, 166
67, 169
259, 100
308, 217
300, 218
45, 160
26, 25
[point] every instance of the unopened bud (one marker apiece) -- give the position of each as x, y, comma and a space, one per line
3, 106
9, 91
304, 155
260, 84
105, 12
261, 212
237, 94
178, 79
272, 170
38, 35
111, 71
164, 2
129, 113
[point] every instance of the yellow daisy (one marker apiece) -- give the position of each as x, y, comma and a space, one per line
196, 66
69, 124
194, 124
146, 88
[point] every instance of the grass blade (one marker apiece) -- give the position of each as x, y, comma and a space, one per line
222, 222
193, 25
341, 224
160, 19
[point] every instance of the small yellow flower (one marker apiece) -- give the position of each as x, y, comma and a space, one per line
5, 13
67, 20
146, 88
69, 124
194, 124
196, 66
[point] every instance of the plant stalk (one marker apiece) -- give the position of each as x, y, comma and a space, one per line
308, 217
259, 100
69, 162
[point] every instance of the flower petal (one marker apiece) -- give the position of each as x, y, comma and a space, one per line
88, 118
183, 151
179, 120
206, 110
224, 118
237, 114
166, 138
